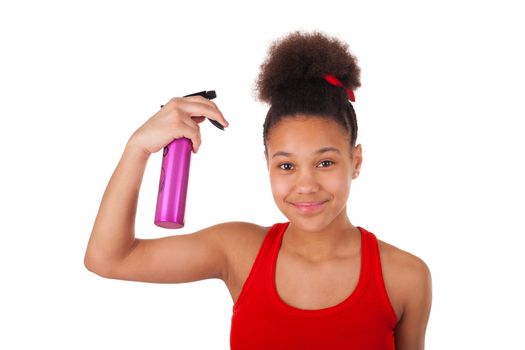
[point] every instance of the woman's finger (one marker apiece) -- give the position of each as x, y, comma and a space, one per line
197, 106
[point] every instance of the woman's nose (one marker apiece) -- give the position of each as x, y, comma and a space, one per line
306, 182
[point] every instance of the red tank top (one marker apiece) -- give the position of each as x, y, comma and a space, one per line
365, 320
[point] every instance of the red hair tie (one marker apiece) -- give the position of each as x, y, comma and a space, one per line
336, 82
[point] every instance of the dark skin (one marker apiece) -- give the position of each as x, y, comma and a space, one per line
310, 173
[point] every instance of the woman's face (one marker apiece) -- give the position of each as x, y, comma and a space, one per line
311, 168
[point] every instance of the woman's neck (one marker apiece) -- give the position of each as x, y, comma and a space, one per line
334, 240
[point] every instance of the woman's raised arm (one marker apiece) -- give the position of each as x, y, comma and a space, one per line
113, 251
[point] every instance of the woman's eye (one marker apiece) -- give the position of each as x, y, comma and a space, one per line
286, 166
326, 163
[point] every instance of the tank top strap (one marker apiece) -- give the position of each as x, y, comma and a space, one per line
376, 281
260, 267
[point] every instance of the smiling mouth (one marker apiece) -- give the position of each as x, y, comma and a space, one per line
309, 207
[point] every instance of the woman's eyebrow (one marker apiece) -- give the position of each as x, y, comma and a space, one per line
319, 151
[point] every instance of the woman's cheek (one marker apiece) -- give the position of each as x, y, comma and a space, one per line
339, 184
280, 187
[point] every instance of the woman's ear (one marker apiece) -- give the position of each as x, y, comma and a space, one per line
357, 157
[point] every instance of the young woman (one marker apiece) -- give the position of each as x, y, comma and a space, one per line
314, 282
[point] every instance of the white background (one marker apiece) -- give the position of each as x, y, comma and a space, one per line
440, 116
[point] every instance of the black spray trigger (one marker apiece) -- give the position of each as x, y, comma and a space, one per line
216, 123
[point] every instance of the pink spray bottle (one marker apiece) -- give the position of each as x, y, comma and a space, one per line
174, 174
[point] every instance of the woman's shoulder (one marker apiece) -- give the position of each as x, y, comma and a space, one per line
400, 259
239, 229
407, 277
241, 242
241, 235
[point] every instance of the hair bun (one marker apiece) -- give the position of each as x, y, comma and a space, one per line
305, 56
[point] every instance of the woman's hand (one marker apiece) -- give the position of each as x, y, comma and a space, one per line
178, 118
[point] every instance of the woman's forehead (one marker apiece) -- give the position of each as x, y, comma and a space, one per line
307, 133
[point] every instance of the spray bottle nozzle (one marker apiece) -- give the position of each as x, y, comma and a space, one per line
210, 95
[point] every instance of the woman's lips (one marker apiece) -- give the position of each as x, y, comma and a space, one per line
309, 207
